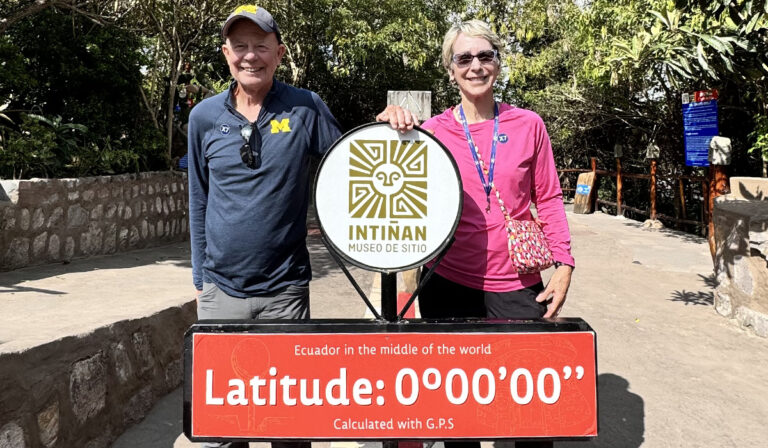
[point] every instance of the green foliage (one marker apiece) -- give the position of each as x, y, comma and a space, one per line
48, 147
600, 72
29, 153
760, 137
75, 85
609, 72
353, 52
172, 33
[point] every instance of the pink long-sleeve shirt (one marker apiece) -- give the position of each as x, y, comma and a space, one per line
525, 172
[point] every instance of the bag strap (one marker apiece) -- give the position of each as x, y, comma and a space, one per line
504, 211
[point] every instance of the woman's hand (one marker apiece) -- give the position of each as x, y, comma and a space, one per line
556, 290
400, 119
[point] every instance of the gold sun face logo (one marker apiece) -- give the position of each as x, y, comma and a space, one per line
388, 179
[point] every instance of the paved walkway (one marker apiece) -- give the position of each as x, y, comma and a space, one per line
672, 373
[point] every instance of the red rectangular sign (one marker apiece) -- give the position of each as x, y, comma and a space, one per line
392, 385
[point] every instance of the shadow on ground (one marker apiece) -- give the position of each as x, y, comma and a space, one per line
670, 233
323, 263
176, 253
704, 298
161, 428
621, 416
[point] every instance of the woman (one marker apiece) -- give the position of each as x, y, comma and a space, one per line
520, 167
476, 279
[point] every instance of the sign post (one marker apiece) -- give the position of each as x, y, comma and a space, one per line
389, 202
699, 125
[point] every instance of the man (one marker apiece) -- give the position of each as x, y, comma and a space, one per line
249, 150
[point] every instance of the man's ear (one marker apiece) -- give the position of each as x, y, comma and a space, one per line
281, 49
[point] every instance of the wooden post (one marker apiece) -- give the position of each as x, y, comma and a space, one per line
420, 103
596, 184
681, 187
706, 215
653, 188
718, 186
618, 187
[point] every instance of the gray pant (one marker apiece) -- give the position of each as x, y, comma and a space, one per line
291, 302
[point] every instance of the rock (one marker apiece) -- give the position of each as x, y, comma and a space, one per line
12, 436
48, 423
77, 216
653, 224
88, 387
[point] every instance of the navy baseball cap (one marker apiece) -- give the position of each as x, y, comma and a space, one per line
255, 14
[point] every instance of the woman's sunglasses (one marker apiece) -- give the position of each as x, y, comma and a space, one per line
484, 57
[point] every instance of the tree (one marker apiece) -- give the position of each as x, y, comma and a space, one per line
612, 71
98, 11
727, 46
174, 31
352, 52
73, 72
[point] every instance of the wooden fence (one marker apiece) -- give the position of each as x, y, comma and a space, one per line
710, 187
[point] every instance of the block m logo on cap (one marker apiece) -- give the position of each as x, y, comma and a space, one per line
246, 8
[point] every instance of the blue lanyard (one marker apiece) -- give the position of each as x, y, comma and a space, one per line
487, 184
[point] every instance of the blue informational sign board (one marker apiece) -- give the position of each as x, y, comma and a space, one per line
699, 126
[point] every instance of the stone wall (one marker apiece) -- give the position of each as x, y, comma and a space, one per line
56, 220
741, 266
85, 391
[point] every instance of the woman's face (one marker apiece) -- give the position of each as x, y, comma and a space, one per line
475, 79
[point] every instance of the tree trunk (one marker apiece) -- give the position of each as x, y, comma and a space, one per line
150, 111
764, 155
174, 79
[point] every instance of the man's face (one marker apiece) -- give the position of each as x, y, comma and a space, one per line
252, 54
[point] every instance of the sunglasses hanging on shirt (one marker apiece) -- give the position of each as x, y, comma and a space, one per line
250, 154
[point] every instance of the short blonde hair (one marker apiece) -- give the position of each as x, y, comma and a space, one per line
471, 28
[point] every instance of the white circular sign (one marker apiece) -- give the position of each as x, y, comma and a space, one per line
388, 201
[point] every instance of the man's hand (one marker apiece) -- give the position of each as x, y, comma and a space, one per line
556, 290
400, 119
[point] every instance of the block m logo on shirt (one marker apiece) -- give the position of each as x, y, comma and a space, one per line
280, 126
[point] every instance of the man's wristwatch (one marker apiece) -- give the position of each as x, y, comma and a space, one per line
560, 263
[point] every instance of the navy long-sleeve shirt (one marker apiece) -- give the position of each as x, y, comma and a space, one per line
248, 226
